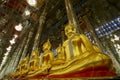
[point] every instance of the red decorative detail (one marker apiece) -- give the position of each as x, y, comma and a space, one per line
100, 71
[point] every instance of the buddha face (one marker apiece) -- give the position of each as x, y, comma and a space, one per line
70, 30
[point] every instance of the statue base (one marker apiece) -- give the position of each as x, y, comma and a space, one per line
92, 72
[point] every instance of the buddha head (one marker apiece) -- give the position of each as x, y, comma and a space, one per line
46, 45
35, 53
70, 30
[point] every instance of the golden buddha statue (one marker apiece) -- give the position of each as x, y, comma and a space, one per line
60, 57
34, 62
44, 64
80, 55
48, 55
59, 52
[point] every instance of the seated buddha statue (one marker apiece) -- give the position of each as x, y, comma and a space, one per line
45, 62
81, 56
34, 62
47, 56
59, 52
60, 57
